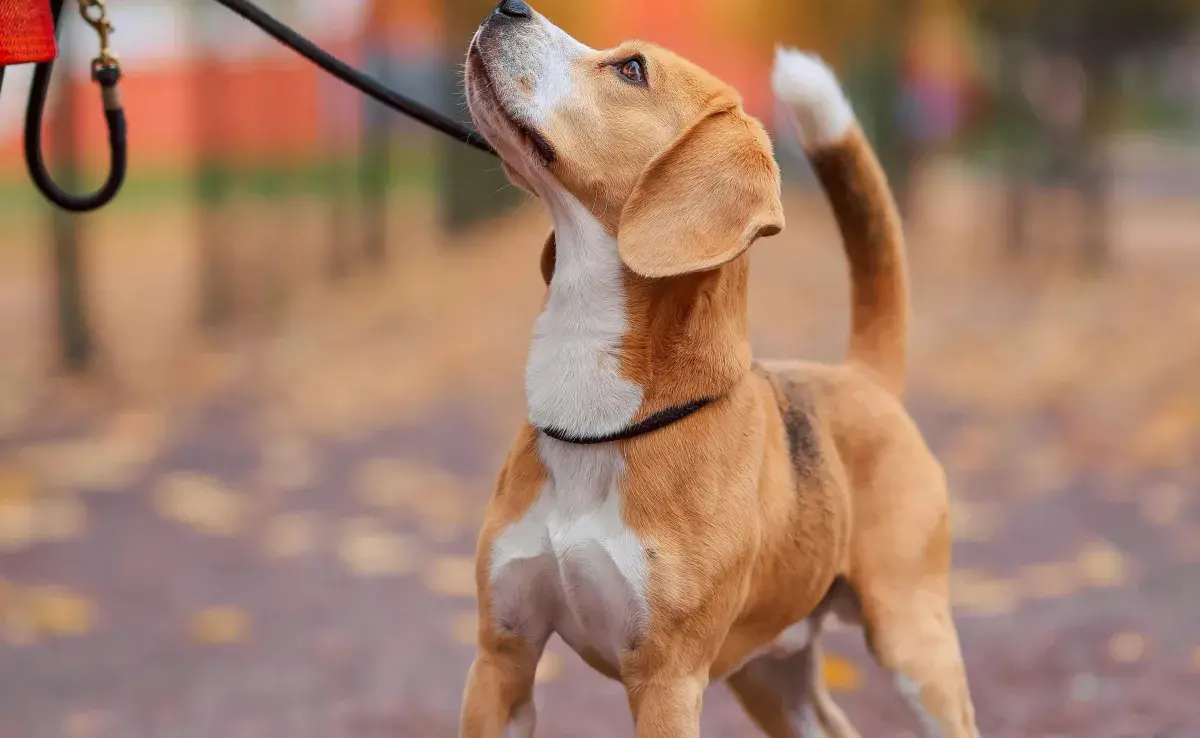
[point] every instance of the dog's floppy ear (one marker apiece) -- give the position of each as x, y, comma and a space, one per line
548, 254
704, 200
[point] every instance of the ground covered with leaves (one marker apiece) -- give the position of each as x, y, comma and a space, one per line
269, 531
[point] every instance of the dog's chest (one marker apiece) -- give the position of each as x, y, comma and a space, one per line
570, 565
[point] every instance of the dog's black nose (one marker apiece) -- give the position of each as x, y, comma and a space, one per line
514, 9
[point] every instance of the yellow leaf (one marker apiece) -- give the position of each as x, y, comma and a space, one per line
840, 674
410, 484
291, 534
465, 628
90, 464
201, 502
220, 625
1127, 648
982, 594
1057, 579
366, 549
59, 519
1163, 505
548, 668
452, 576
16, 486
974, 521
17, 523
57, 611
1102, 565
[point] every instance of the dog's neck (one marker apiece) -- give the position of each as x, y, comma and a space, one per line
610, 347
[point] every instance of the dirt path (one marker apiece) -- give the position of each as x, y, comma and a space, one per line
279, 543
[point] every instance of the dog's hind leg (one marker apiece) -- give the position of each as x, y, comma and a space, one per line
917, 643
785, 694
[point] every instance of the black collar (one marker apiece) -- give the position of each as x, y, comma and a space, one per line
660, 419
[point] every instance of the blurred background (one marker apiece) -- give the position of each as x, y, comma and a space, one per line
250, 413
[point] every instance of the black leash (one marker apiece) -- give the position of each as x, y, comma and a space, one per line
106, 72
353, 77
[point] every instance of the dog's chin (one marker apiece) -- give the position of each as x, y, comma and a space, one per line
509, 133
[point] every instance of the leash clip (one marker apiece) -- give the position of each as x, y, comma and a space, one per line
105, 67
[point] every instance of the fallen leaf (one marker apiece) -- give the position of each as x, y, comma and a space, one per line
1162, 505
1127, 648
548, 668
465, 628
452, 576
220, 625
982, 594
1102, 565
974, 521
58, 519
366, 549
17, 523
1056, 579
200, 501
397, 484
291, 534
840, 674
57, 611
16, 485
89, 465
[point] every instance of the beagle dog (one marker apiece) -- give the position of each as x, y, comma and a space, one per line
675, 511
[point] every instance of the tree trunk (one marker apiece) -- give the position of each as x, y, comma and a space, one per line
1094, 175
1016, 200
473, 186
374, 163
212, 176
75, 342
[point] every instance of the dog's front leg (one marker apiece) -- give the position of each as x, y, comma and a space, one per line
499, 691
667, 706
513, 630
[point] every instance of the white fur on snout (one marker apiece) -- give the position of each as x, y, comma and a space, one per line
530, 66
552, 80
811, 91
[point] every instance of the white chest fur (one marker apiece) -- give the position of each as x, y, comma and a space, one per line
573, 376
570, 565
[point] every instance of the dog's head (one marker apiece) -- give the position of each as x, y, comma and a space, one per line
658, 150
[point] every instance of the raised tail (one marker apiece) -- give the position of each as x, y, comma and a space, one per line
865, 209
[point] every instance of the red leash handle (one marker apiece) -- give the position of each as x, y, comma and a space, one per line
23, 31
26, 32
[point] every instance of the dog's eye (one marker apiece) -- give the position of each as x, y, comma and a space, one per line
633, 70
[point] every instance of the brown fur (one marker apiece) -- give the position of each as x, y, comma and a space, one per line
804, 488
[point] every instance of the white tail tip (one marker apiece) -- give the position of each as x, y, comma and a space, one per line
812, 93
